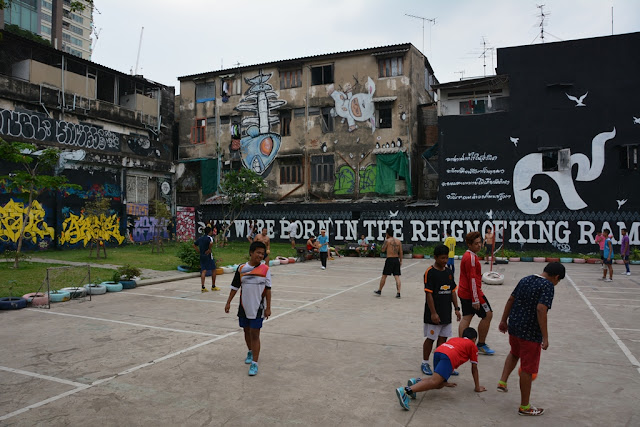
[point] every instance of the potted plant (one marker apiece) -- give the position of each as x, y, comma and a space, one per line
114, 284
127, 273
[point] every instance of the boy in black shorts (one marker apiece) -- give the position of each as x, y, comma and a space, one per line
393, 248
440, 293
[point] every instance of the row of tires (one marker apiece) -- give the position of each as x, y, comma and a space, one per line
36, 299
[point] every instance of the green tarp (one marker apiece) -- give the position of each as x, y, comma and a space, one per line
389, 167
209, 176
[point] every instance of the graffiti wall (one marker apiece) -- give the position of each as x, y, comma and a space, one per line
185, 223
145, 228
81, 230
38, 233
354, 107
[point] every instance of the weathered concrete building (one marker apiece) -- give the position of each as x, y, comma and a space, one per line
341, 126
115, 131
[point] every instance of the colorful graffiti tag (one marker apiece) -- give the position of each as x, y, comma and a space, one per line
11, 220
261, 146
346, 180
147, 227
83, 229
352, 107
104, 190
186, 223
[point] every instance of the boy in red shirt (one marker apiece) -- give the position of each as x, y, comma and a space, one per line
472, 299
447, 357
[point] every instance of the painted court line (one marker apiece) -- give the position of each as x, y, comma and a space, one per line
171, 355
201, 300
42, 377
606, 326
124, 323
625, 329
617, 299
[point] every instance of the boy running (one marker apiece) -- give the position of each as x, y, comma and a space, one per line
440, 293
254, 278
207, 263
447, 357
525, 318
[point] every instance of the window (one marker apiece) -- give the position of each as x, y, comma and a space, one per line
629, 157
205, 92
390, 67
291, 174
384, 115
289, 79
45, 29
198, 131
472, 107
327, 120
549, 159
66, 37
298, 112
137, 189
285, 122
76, 41
225, 120
322, 75
77, 18
46, 18
322, 168
231, 86
46, 4
76, 30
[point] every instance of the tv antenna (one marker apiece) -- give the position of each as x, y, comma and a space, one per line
461, 72
542, 17
432, 21
486, 49
139, 47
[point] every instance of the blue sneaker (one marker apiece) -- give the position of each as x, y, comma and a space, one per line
426, 369
455, 373
486, 350
403, 398
411, 382
253, 369
249, 358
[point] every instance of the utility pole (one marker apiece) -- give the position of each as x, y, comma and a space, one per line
433, 21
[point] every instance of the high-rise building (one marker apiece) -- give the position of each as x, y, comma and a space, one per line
39, 17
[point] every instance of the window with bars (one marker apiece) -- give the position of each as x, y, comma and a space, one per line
285, 122
198, 131
291, 78
629, 156
291, 174
137, 189
390, 67
322, 168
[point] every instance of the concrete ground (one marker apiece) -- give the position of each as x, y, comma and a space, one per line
332, 354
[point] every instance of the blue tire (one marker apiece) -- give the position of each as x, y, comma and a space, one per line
59, 296
184, 269
12, 303
95, 289
113, 287
128, 284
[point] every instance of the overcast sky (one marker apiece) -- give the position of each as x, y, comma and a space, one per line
183, 37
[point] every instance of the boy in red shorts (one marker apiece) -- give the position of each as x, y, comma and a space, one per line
447, 357
525, 318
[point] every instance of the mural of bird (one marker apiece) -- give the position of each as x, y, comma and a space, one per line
490, 214
636, 121
578, 102
621, 202
514, 140
393, 214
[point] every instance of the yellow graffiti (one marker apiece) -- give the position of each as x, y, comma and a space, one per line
80, 228
11, 220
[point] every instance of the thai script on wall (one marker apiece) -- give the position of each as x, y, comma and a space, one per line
486, 182
81, 229
11, 220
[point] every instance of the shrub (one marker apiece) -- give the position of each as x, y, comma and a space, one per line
127, 272
188, 255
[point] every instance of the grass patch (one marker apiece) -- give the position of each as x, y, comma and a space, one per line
31, 275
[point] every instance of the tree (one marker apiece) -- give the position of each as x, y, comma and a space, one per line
241, 188
97, 209
162, 214
31, 181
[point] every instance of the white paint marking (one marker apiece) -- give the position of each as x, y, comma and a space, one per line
618, 305
42, 403
123, 323
42, 377
625, 329
606, 326
616, 299
201, 300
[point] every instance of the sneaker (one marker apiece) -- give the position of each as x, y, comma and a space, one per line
249, 358
332, 258
253, 369
455, 373
502, 388
398, 295
379, 293
323, 267
532, 411
628, 273
412, 381
426, 369
403, 398
204, 290
215, 288
485, 350
608, 280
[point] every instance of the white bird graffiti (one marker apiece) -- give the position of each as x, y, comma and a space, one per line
636, 121
578, 102
621, 202
514, 140
490, 214
393, 214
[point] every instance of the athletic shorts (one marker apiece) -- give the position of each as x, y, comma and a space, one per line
608, 261
601, 253
250, 323
442, 365
434, 331
207, 263
292, 239
451, 262
528, 352
467, 307
625, 257
391, 267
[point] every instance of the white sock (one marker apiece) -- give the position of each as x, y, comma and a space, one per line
425, 361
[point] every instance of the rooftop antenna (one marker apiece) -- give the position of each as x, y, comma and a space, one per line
139, 47
433, 22
485, 49
461, 72
542, 18
611, 20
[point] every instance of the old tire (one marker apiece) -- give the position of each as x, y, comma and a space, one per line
36, 299
75, 292
418, 256
566, 260
96, 289
128, 284
12, 303
59, 296
594, 261
579, 261
493, 278
552, 259
514, 259
113, 287
292, 260
526, 259
539, 259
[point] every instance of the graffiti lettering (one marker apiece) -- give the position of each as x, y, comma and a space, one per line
137, 209
11, 220
80, 229
146, 227
345, 180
